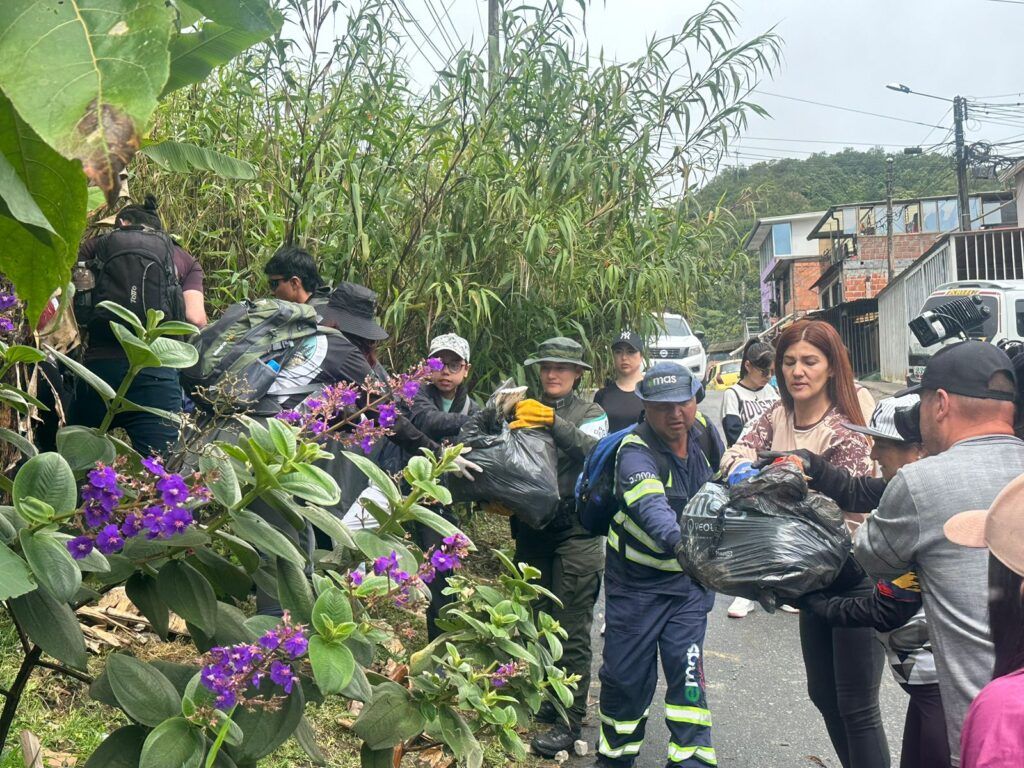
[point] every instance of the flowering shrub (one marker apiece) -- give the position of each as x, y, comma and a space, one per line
196, 541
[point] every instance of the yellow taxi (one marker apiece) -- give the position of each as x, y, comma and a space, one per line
723, 374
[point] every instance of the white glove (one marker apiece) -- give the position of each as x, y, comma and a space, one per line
465, 467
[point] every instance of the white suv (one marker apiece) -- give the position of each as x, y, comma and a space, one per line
677, 344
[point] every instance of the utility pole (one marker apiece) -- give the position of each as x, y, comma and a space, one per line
890, 183
959, 116
492, 44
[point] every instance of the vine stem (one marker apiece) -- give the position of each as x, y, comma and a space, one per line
115, 405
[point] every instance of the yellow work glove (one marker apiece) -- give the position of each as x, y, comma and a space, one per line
532, 414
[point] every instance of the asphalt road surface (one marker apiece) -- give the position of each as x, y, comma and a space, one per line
757, 691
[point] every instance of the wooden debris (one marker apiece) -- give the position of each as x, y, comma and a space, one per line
434, 757
31, 750
115, 622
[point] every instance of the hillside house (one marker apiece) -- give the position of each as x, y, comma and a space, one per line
788, 264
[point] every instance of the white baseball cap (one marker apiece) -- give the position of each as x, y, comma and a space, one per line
883, 420
449, 342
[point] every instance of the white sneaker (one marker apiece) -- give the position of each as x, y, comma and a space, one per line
789, 608
740, 607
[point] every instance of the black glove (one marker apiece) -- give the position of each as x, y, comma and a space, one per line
811, 462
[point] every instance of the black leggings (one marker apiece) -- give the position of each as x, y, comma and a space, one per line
844, 669
924, 734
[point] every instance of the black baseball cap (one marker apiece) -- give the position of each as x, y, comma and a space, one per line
630, 339
966, 368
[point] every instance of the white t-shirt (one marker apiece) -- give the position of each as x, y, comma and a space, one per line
748, 404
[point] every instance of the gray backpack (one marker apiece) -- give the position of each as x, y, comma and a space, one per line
241, 354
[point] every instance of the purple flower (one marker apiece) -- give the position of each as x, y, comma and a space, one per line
317, 427
95, 514
152, 521
292, 416
456, 543
109, 541
387, 415
383, 565
226, 700
174, 521
366, 444
502, 674
356, 577
313, 403
7, 301
6, 325
435, 364
79, 547
348, 397
400, 577
154, 465
132, 525
270, 640
296, 645
427, 573
172, 490
409, 389
281, 674
103, 477
444, 561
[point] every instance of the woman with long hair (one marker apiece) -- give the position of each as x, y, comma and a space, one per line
818, 397
993, 733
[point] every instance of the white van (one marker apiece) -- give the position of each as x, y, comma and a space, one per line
1005, 302
678, 344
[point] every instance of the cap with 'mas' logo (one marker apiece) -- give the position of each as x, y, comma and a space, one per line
669, 383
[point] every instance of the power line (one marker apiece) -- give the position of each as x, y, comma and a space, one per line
823, 141
849, 109
440, 27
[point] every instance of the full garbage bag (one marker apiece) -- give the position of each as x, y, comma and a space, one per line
767, 539
520, 466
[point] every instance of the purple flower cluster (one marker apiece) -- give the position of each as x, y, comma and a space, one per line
336, 403
504, 673
159, 508
234, 668
448, 558
8, 302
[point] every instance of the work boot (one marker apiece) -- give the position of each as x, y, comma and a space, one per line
546, 713
560, 736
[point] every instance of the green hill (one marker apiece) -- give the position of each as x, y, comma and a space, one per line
779, 187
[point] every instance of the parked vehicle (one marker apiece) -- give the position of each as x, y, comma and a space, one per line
724, 374
1004, 300
678, 343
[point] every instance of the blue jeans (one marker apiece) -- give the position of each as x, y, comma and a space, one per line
153, 387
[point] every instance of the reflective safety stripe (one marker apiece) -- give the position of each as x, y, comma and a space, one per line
632, 439
623, 727
613, 539
606, 749
671, 564
648, 487
705, 754
694, 715
636, 531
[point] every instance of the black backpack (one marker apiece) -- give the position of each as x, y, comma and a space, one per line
133, 267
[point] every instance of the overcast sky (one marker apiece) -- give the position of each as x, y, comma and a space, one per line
840, 53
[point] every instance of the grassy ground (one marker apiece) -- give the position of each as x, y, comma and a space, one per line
59, 711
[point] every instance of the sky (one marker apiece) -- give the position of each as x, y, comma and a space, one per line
840, 53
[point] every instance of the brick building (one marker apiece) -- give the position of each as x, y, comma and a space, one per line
788, 264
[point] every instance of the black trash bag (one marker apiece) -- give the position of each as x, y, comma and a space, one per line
520, 468
767, 539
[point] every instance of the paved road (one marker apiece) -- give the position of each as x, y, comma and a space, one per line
757, 692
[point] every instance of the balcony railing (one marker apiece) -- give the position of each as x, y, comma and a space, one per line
994, 254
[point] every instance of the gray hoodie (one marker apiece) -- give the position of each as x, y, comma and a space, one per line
906, 533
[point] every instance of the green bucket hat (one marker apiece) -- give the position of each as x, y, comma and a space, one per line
559, 350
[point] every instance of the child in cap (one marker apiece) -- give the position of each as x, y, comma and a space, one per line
439, 410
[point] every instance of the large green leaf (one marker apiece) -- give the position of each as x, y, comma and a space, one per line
187, 592
390, 718
226, 578
173, 744
49, 478
377, 476
39, 260
333, 664
20, 204
82, 447
332, 608
249, 15
294, 591
312, 484
103, 389
121, 749
188, 158
267, 729
264, 536
219, 474
142, 590
142, 691
15, 578
52, 625
86, 74
329, 524
194, 55
52, 564
174, 353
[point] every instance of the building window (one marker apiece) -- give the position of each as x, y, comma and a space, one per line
765, 253
782, 239
948, 215
930, 217
849, 219
993, 211
867, 221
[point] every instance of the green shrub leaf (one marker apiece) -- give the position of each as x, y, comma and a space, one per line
173, 744
187, 592
390, 718
294, 590
333, 664
142, 590
82, 447
121, 749
142, 691
52, 564
15, 578
47, 477
264, 536
52, 625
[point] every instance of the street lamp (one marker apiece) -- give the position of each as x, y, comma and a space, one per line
901, 88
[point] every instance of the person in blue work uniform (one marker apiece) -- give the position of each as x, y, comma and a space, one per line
651, 605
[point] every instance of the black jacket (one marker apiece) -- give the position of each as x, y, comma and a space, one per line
854, 494
428, 416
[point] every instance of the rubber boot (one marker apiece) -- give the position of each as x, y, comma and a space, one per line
559, 737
